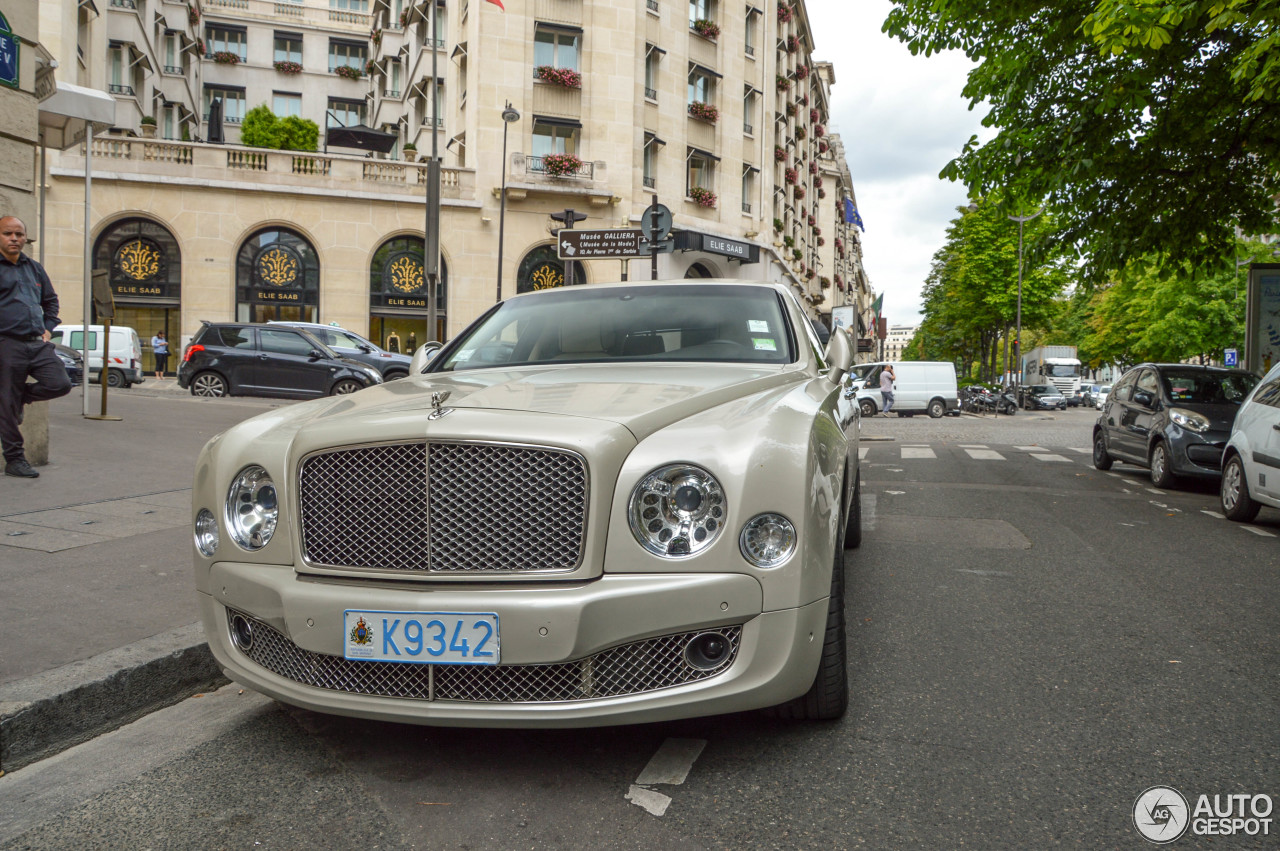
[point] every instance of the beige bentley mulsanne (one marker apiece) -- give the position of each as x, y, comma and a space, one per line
600, 504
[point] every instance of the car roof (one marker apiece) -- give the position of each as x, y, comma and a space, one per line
670, 282
1194, 367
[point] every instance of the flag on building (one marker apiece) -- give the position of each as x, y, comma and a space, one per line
876, 305
498, 3
851, 216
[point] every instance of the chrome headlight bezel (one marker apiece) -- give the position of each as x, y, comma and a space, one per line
205, 533
252, 509
768, 540
677, 510
1190, 420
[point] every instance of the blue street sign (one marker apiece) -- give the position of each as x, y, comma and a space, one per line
1231, 358
8, 55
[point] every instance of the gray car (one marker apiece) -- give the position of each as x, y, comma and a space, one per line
349, 344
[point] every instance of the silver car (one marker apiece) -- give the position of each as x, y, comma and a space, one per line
602, 504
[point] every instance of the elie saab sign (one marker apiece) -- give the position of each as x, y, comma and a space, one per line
745, 252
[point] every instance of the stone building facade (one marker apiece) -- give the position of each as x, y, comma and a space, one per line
715, 107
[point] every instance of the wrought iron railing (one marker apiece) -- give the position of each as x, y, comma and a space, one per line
537, 165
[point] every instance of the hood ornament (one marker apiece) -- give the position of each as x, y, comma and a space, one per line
437, 401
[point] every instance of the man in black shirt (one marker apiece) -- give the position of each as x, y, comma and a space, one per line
28, 312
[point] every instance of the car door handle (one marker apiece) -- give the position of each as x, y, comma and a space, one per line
1276, 426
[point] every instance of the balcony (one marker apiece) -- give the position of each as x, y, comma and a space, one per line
272, 11
528, 175
120, 89
307, 173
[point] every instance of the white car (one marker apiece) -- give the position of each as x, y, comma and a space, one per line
1251, 461
1100, 396
604, 504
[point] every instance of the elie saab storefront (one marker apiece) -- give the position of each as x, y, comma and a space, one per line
144, 266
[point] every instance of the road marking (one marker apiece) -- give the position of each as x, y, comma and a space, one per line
985, 454
1213, 514
1030, 448
972, 445
1132, 482
1263, 532
669, 766
1117, 475
1081, 451
862, 452
917, 452
1156, 491
1051, 458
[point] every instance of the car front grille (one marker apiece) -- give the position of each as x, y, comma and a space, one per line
636, 668
444, 507
1206, 454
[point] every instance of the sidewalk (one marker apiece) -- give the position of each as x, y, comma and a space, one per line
98, 616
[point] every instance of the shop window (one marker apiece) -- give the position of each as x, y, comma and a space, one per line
277, 277
541, 269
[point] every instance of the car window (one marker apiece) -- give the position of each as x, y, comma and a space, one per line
1149, 382
233, 337
1209, 388
284, 342
337, 337
1124, 388
1269, 393
716, 322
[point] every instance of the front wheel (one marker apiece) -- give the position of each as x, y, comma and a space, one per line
1101, 457
115, 378
937, 408
1234, 493
1010, 409
1161, 474
853, 528
345, 386
867, 407
208, 384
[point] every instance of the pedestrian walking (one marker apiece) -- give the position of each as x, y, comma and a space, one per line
886, 388
28, 313
160, 349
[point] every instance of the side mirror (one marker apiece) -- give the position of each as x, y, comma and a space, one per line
366, 348
423, 356
1143, 398
316, 354
839, 355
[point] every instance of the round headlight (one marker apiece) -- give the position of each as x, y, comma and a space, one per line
677, 510
252, 508
206, 532
767, 540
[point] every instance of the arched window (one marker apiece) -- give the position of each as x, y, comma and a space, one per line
277, 277
541, 269
143, 263
697, 270
398, 296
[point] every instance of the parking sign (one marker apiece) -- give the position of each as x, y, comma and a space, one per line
1230, 358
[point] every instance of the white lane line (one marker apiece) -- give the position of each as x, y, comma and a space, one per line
1132, 482
917, 452
1051, 457
1263, 532
1081, 451
1156, 491
1030, 448
972, 445
862, 452
984, 454
669, 766
1213, 514
1117, 475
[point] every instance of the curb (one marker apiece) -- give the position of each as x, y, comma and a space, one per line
50, 712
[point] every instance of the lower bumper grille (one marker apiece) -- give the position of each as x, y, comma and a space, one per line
643, 666
1206, 454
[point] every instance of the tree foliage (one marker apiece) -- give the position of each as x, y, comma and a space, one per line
1151, 126
262, 128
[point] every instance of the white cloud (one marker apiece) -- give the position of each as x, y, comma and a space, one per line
901, 118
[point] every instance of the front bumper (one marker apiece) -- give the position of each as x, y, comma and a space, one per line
608, 651
1195, 455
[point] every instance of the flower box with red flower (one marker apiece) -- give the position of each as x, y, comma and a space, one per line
802, 72
565, 77
779, 154
706, 29
704, 111
798, 192
561, 165
289, 67
703, 197
783, 83
784, 13
791, 175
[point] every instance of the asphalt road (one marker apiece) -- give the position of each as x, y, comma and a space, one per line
1033, 644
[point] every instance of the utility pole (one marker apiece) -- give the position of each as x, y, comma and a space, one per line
431, 236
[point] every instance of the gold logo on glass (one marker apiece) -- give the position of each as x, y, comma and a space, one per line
406, 275
277, 268
139, 260
547, 277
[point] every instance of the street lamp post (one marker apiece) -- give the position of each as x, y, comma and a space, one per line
509, 116
1017, 334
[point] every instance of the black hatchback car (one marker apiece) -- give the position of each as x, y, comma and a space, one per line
247, 359
1171, 418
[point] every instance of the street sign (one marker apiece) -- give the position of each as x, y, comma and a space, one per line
664, 246
1231, 358
9, 63
664, 220
611, 242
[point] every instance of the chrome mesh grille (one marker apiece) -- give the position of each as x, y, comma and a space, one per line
444, 507
643, 666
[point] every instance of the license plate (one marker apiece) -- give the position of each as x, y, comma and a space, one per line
439, 638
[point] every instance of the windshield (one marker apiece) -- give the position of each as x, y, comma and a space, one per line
694, 322
1062, 370
1210, 388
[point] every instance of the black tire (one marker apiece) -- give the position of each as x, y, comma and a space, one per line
115, 378
345, 386
828, 697
209, 384
1011, 409
853, 527
1162, 476
1101, 457
867, 407
1234, 492
394, 375
937, 408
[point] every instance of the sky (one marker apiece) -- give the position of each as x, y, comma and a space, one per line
901, 118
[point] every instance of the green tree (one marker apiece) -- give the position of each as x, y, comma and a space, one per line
1150, 126
261, 128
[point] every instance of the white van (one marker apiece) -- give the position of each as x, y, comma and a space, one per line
125, 352
919, 387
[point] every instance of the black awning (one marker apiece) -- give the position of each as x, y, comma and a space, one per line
360, 136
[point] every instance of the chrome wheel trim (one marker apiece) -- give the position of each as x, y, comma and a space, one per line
209, 385
345, 387
1231, 485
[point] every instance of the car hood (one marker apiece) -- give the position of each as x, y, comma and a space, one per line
1220, 416
642, 398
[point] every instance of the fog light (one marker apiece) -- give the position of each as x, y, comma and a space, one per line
241, 632
206, 533
707, 651
767, 540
